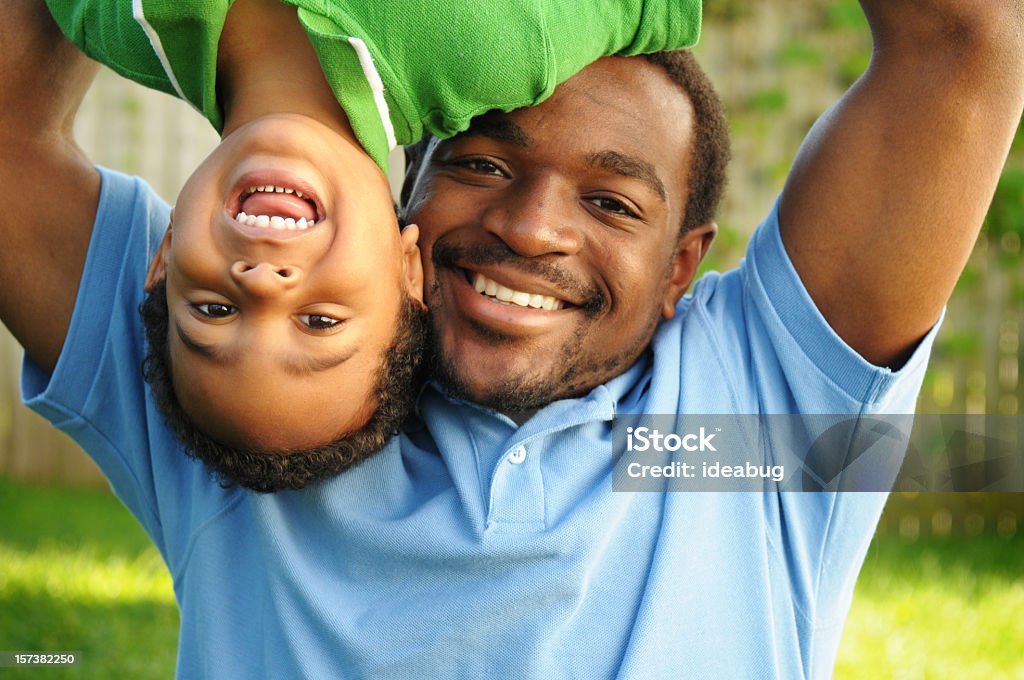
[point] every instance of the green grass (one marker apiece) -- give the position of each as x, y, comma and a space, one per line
937, 608
77, 574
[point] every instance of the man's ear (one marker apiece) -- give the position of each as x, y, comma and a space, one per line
692, 248
158, 267
412, 265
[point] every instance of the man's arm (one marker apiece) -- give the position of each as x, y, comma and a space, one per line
890, 187
48, 188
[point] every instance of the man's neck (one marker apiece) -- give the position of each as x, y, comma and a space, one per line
266, 65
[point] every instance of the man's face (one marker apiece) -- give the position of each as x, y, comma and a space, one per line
285, 271
550, 236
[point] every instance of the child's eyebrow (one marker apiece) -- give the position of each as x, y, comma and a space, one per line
306, 364
204, 350
301, 364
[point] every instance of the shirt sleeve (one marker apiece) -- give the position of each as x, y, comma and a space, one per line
822, 372
581, 32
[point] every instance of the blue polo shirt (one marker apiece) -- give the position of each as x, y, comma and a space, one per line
472, 547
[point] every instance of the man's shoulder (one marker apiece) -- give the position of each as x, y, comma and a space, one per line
714, 305
770, 346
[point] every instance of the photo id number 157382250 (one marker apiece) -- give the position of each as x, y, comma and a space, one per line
15, 659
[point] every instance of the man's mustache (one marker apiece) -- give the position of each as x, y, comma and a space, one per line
586, 297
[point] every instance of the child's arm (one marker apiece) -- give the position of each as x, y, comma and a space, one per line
48, 188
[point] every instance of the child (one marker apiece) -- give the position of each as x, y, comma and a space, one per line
285, 313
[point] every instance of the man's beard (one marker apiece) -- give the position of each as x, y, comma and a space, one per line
510, 395
573, 373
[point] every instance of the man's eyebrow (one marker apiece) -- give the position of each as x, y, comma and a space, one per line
628, 166
297, 365
498, 129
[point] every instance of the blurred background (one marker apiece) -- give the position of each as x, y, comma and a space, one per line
942, 591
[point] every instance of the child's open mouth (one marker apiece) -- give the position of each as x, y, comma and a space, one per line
277, 207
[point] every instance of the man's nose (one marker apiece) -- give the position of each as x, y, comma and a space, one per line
265, 278
540, 220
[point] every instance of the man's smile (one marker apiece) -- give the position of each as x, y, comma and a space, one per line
490, 314
494, 290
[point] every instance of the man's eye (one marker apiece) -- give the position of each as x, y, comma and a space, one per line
613, 206
481, 166
318, 322
215, 310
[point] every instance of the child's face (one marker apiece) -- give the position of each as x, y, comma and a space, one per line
276, 332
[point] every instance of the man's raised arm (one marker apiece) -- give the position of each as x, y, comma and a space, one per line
889, 190
48, 188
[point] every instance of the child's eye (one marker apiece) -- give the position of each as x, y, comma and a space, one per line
319, 322
215, 310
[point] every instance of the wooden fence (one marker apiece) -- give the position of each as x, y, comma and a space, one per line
777, 65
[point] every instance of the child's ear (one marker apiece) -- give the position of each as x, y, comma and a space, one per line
412, 265
158, 267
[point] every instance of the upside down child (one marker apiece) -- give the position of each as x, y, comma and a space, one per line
284, 314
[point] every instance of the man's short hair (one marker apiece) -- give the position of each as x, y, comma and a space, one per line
396, 390
710, 144
709, 147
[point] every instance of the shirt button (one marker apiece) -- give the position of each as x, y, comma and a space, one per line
518, 455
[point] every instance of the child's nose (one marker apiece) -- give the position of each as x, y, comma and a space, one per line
264, 278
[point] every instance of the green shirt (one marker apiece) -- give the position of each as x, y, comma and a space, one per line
399, 68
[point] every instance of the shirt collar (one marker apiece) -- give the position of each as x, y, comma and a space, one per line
625, 391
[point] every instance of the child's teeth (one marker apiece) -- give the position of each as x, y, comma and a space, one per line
274, 221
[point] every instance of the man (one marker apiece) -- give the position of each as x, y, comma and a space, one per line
488, 542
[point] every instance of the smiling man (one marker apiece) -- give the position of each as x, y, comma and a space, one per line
553, 248
558, 242
486, 541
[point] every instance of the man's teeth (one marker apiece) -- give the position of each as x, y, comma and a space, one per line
272, 189
491, 288
274, 222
